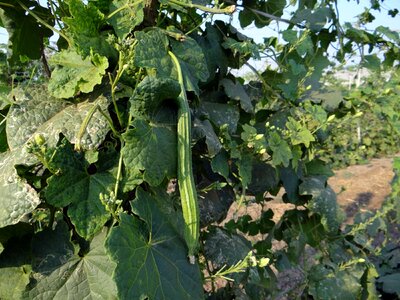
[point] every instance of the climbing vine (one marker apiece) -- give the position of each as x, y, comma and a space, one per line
127, 142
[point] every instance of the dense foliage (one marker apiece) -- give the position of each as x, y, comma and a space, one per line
98, 162
371, 127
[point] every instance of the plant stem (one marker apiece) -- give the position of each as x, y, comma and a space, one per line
53, 11
109, 122
113, 88
6, 4
127, 5
227, 10
44, 23
84, 126
119, 171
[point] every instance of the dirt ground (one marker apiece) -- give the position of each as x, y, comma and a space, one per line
363, 187
359, 187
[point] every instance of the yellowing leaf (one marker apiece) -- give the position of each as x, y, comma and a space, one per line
74, 74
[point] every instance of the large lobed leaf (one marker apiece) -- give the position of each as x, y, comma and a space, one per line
61, 273
342, 284
323, 202
150, 93
128, 18
236, 91
35, 112
152, 261
74, 185
224, 248
150, 148
30, 110
15, 268
85, 22
152, 53
73, 74
25, 33
17, 197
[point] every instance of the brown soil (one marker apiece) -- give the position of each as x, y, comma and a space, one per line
363, 187
358, 188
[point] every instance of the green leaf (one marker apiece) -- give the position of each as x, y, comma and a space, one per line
37, 113
214, 203
85, 27
245, 167
330, 99
150, 148
317, 112
237, 92
69, 121
192, 61
290, 179
63, 274
327, 284
150, 93
75, 185
47, 248
390, 283
281, 153
323, 202
314, 18
318, 167
244, 48
223, 248
264, 178
152, 52
31, 109
203, 128
72, 73
13, 281
219, 164
290, 36
26, 35
213, 52
391, 34
15, 268
151, 256
296, 68
220, 114
17, 197
128, 18
299, 134
372, 62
